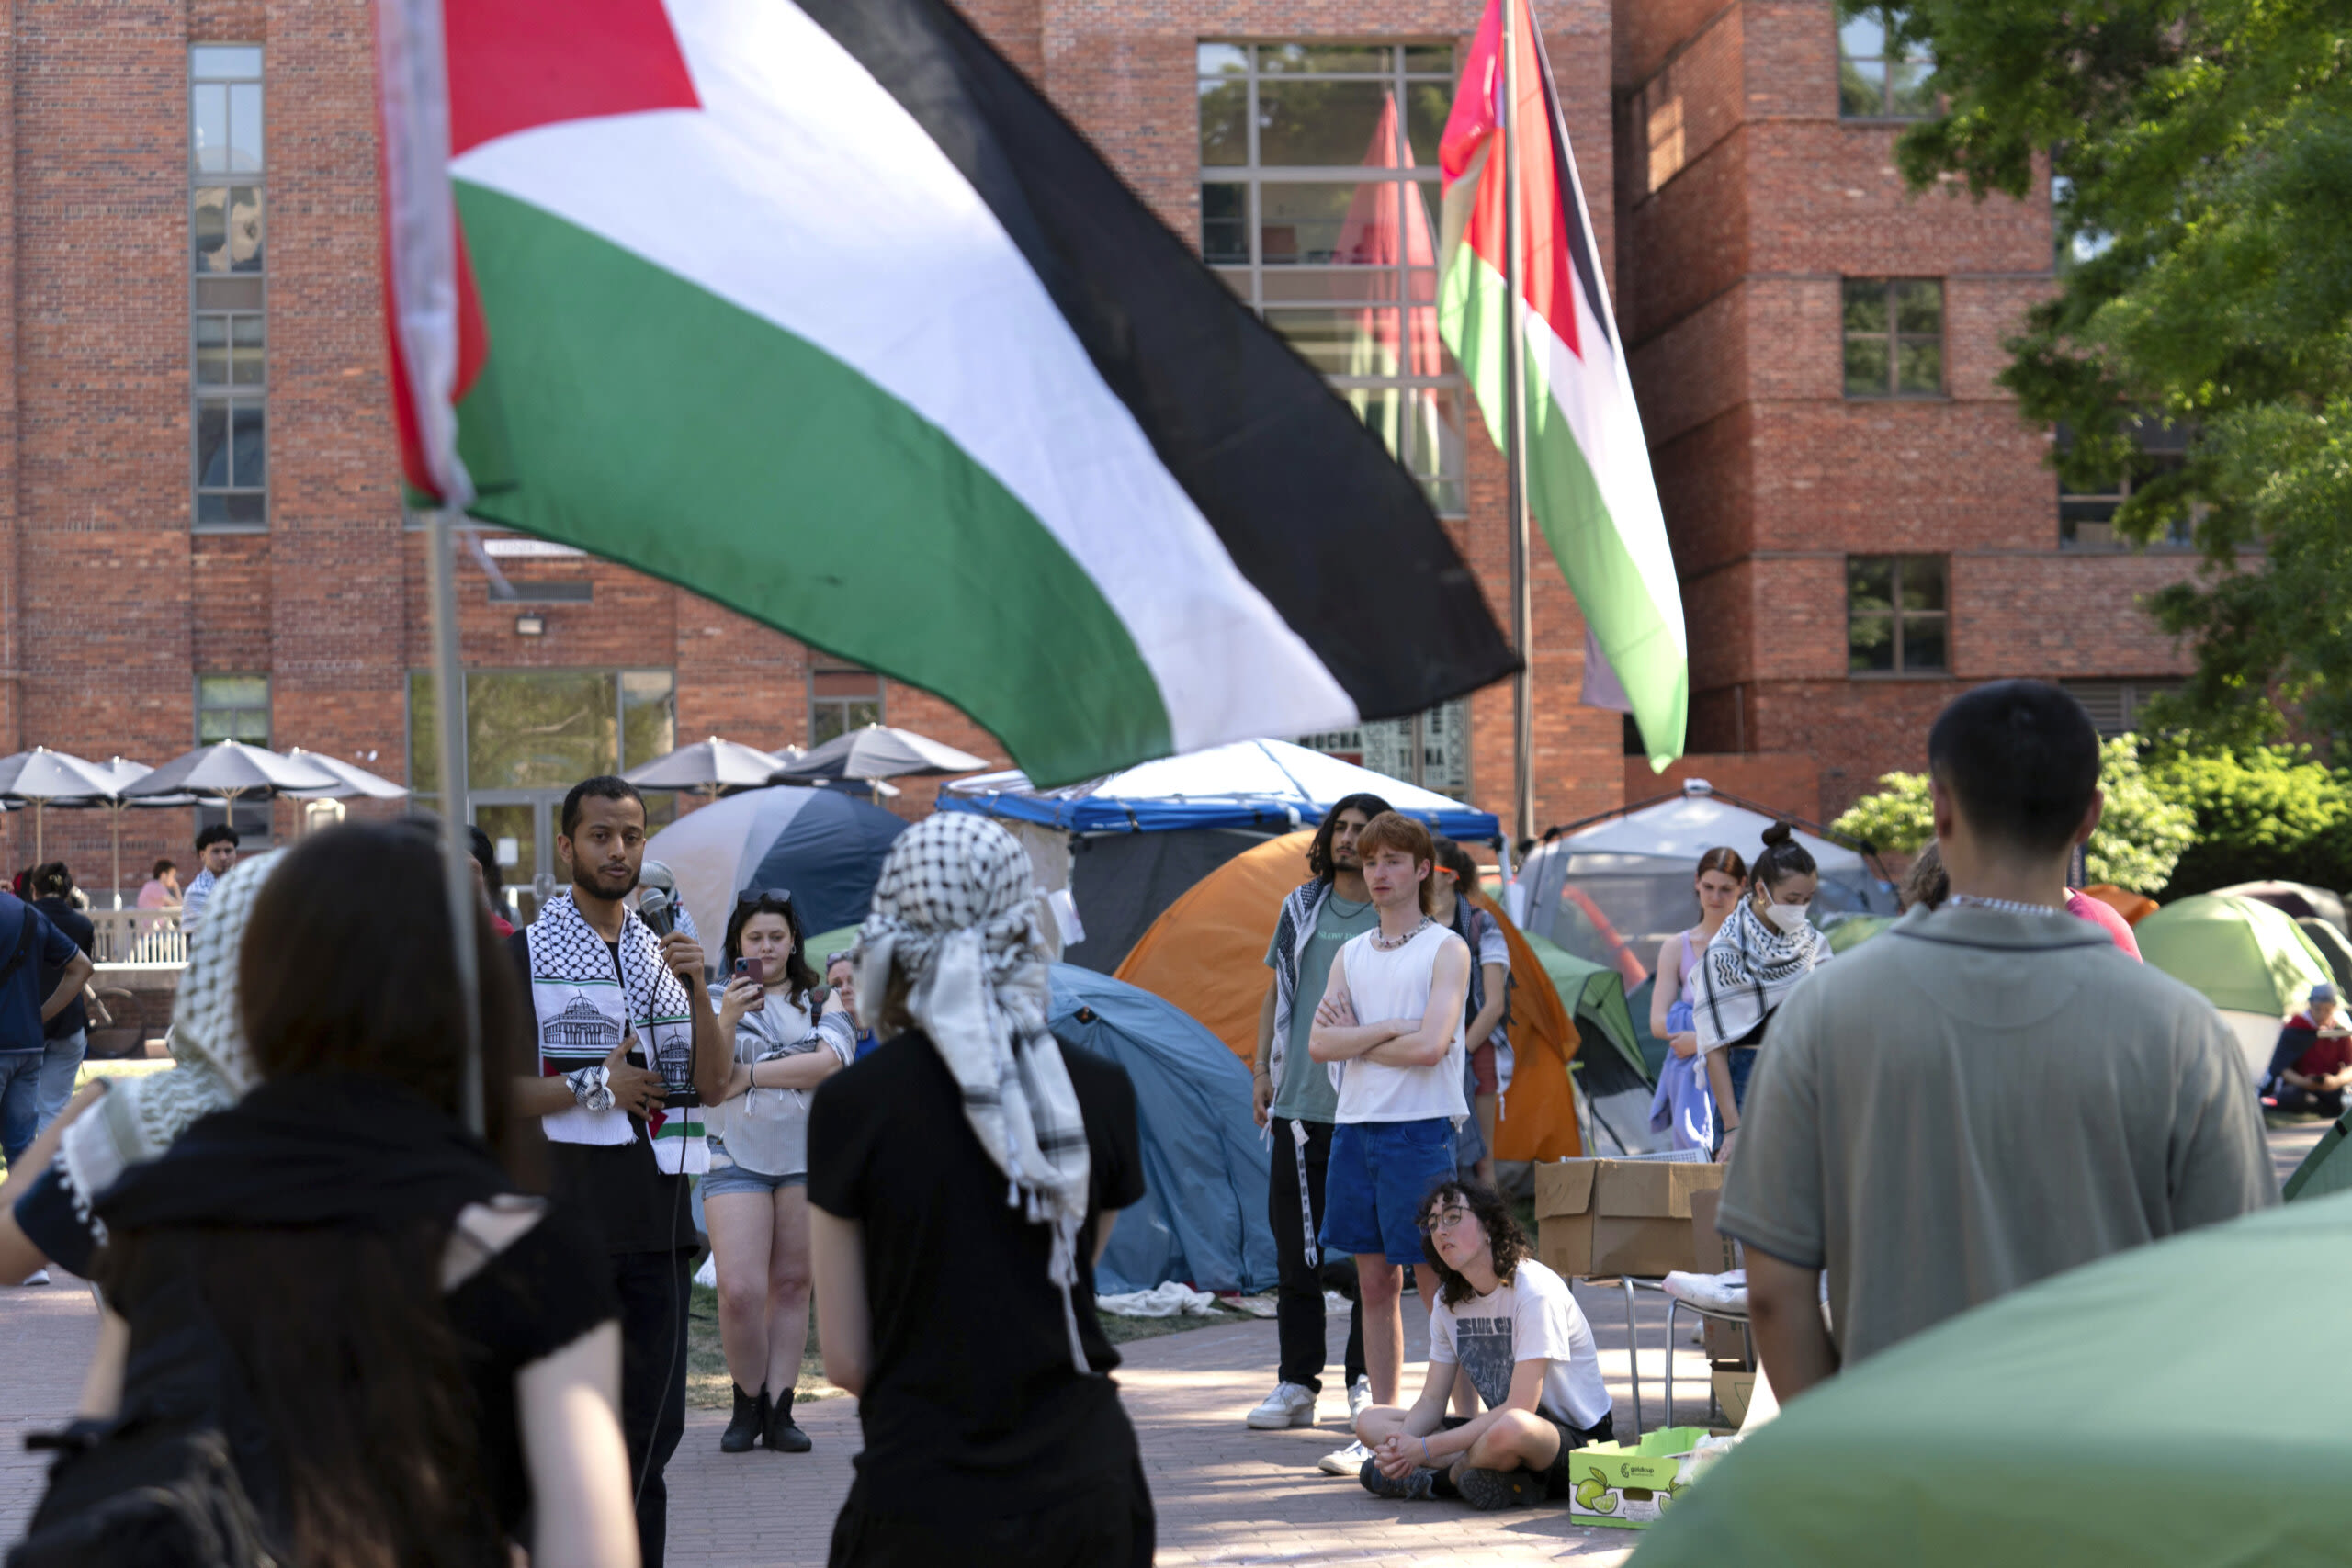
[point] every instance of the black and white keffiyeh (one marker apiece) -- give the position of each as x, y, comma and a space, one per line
1745, 973
955, 914
582, 1012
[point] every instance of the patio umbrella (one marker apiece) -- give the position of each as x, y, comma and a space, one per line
41, 775
121, 771
878, 752
351, 782
710, 766
231, 769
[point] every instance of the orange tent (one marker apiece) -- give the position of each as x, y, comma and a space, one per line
2133, 907
1206, 954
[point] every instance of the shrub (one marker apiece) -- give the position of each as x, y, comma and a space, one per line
2262, 812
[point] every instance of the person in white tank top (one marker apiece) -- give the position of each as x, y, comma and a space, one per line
1390, 1024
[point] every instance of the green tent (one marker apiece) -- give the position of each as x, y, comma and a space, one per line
2245, 954
2326, 1170
1595, 995
838, 940
2331, 947
1850, 931
2146, 1409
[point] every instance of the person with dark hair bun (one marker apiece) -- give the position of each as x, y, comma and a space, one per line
1987, 1093
1684, 1106
1766, 945
1513, 1326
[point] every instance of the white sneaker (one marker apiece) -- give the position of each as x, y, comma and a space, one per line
1347, 1462
38, 1277
1290, 1405
1358, 1399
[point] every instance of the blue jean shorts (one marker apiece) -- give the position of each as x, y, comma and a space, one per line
722, 1181
1380, 1171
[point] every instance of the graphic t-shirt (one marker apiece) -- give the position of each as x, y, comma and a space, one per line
1305, 1093
1531, 1316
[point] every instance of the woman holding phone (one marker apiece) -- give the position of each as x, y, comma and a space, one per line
789, 1037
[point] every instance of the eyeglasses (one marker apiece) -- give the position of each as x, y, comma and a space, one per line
1446, 1220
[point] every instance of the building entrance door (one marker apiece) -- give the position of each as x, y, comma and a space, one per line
522, 825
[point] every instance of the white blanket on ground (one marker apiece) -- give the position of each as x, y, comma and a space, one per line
1170, 1300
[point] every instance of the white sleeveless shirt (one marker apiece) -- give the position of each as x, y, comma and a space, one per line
1396, 985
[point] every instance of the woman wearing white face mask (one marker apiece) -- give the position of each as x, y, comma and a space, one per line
1767, 946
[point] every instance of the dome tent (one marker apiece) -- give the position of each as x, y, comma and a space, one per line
819, 844
1202, 1215
2249, 958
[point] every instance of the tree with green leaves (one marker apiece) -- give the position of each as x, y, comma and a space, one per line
2202, 163
2141, 834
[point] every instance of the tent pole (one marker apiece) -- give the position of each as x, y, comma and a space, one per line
449, 693
1522, 609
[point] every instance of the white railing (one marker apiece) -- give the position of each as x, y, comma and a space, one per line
137, 936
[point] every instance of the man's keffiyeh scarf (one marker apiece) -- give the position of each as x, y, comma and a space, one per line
139, 1118
955, 913
1745, 973
583, 1013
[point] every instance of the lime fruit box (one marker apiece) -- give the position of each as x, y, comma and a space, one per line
1632, 1487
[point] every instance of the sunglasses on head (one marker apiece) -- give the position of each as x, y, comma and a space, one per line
754, 895
833, 958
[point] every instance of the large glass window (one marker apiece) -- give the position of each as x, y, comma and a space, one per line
1894, 337
1320, 207
229, 321
232, 707
2087, 516
546, 729
1896, 612
840, 700
1879, 78
1431, 749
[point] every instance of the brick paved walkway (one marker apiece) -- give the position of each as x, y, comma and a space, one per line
1227, 1498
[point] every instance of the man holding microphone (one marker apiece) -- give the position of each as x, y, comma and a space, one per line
613, 1000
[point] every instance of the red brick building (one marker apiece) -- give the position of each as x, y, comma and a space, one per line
202, 532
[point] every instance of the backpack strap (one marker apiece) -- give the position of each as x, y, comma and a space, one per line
25, 929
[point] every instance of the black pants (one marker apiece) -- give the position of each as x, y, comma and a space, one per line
1298, 1302
1102, 1527
652, 1287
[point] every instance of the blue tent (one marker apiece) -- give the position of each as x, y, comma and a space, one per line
1203, 1217
823, 846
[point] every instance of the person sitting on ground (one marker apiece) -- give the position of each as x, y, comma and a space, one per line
432, 1372
2313, 1066
162, 888
1514, 1327
1768, 944
1993, 1070
971, 1159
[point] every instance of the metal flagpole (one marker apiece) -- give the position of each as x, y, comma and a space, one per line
1523, 608
449, 700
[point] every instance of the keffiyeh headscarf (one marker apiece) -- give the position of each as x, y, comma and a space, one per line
137, 1118
955, 913
1746, 974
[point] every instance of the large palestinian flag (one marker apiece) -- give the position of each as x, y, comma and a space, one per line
1588, 465
817, 308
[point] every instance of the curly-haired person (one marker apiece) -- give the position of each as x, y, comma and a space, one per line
1514, 1326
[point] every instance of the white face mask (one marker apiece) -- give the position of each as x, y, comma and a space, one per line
1790, 918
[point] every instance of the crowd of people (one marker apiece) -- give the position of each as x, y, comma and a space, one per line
472, 1344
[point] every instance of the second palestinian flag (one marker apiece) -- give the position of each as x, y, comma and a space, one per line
817, 308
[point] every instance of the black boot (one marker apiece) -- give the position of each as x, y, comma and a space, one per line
784, 1435
750, 1420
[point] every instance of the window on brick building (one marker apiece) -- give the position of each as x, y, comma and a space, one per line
2086, 509
1879, 76
533, 732
2114, 706
229, 319
1319, 207
1894, 337
1896, 616
842, 698
232, 707
1431, 749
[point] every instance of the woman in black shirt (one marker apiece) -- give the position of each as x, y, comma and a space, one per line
968, 1158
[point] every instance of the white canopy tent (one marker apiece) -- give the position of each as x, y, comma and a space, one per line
1623, 886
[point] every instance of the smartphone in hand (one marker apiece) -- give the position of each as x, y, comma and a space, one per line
749, 969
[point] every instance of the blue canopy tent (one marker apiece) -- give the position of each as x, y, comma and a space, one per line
1137, 839
1203, 1216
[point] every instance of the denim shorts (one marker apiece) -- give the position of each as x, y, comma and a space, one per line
1380, 1171
720, 1181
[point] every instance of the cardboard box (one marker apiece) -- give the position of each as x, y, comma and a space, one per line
1632, 1488
1600, 1217
1732, 1391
